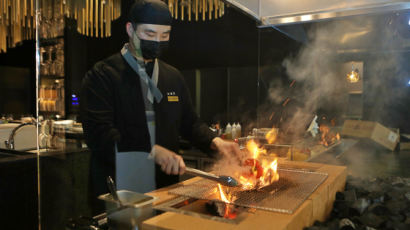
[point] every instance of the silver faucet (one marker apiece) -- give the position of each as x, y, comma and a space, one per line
10, 142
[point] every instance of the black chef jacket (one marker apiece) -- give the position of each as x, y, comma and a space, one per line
113, 111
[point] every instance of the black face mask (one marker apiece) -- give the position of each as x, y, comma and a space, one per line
153, 49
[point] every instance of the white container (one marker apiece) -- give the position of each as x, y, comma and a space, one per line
136, 208
228, 131
234, 135
238, 130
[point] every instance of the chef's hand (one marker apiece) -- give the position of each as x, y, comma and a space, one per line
170, 162
227, 148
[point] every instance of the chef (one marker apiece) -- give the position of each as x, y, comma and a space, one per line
135, 107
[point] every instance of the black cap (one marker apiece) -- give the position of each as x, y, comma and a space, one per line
149, 12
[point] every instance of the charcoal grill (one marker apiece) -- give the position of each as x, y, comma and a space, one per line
285, 196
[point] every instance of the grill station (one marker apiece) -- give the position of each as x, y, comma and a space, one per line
285, 195
303, 194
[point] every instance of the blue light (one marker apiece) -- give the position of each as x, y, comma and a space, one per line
408, 83
74, 100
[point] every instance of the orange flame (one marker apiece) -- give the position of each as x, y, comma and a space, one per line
247, 183
327, 136
270, 169
271, 135
270, 173
229, 213
253, 148
222, 194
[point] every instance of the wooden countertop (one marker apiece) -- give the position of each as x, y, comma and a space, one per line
317, 207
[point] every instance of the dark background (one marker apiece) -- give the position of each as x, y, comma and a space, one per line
226, 51
17, 80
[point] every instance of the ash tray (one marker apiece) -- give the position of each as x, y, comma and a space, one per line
136, 207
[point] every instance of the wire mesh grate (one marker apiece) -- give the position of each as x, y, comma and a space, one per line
285, 195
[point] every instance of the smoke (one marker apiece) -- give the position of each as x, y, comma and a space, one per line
379, 43
320, 74
321, 81
316, 69
230, 165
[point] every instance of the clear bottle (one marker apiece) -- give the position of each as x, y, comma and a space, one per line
238, 130
228, 131
234, 133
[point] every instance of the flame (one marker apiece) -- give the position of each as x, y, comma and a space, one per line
222, 194
247, 183
253, 148
229, 212
274, 165
270, 173
250, 180
327, 136
270, 169
271, 135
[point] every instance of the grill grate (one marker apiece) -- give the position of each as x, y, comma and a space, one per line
285, 195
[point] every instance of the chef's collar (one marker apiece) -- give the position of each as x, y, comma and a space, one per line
153, 91
140, 60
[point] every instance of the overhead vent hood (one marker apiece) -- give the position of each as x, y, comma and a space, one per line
360, 21
284, 12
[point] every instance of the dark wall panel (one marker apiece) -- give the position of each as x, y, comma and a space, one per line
213, 95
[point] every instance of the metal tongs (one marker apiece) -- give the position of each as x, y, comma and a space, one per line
224, 180
113, 191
